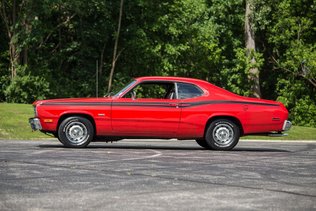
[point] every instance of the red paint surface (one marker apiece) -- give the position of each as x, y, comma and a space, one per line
166, 118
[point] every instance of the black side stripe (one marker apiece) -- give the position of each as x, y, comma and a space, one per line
158, 104
214, 102
143, 104
77, 103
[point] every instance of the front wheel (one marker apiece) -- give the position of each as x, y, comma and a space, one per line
75, 132
202, 143
222, 134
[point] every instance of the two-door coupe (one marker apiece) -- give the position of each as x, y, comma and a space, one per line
161, 107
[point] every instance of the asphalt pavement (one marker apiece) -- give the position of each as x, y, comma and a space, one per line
157, 175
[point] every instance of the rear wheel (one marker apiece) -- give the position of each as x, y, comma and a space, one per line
222, 134
75, 132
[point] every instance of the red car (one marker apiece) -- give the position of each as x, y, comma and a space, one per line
161, 107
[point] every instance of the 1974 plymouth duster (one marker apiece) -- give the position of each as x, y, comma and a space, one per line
161, 107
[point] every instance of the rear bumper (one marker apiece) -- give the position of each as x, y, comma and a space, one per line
286, 125
35, 124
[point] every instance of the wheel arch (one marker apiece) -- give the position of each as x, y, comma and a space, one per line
228, 117
87, 116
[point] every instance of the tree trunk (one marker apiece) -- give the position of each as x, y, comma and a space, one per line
24, 56
115, 54
9, 14
101, 59
251, 49
15, 56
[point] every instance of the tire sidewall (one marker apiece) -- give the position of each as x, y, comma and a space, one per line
202, 143
209, 135
62, 133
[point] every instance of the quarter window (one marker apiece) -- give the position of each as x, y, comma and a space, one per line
188, 91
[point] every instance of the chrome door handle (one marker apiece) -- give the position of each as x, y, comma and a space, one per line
174, 105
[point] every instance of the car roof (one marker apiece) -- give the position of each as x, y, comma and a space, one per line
201, 83
172, 78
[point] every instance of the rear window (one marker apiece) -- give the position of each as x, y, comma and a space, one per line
188, 91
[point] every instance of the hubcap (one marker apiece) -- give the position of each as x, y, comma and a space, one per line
76, 133
223, 135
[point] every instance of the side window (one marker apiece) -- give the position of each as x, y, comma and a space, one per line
188, 91
153, 90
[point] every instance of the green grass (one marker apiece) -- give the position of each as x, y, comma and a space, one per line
14, 125
295, 133
14, 122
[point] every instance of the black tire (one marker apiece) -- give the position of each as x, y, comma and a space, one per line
61, 141
76, 132
202, 143
56, 136
222, 134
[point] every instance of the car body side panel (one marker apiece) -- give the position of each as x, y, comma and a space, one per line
260, 119
194, 118
254, 116
145, 117
166, 118
100, 112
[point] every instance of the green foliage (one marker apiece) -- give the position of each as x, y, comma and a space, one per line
300, 103
4, 83
179, 39
293, 36
304, 112
58, 43
4, 80
26, 88
238, 75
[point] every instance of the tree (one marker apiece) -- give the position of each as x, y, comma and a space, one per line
115, 53
177, 38
251, 49
292, 36
8, 13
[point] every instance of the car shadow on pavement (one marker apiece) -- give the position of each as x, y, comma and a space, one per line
188, 148
243, 149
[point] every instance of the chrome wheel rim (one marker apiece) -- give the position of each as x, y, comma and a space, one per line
76, 133
223, 135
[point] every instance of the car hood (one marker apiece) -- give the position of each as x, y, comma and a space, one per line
73, 100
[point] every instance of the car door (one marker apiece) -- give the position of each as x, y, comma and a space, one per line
192, 121
150, 109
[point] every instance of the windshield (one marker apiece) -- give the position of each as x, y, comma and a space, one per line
125, 88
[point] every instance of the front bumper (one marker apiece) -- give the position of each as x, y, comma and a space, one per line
35, 124
286, 125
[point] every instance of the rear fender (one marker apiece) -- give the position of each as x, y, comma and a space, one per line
231, 117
